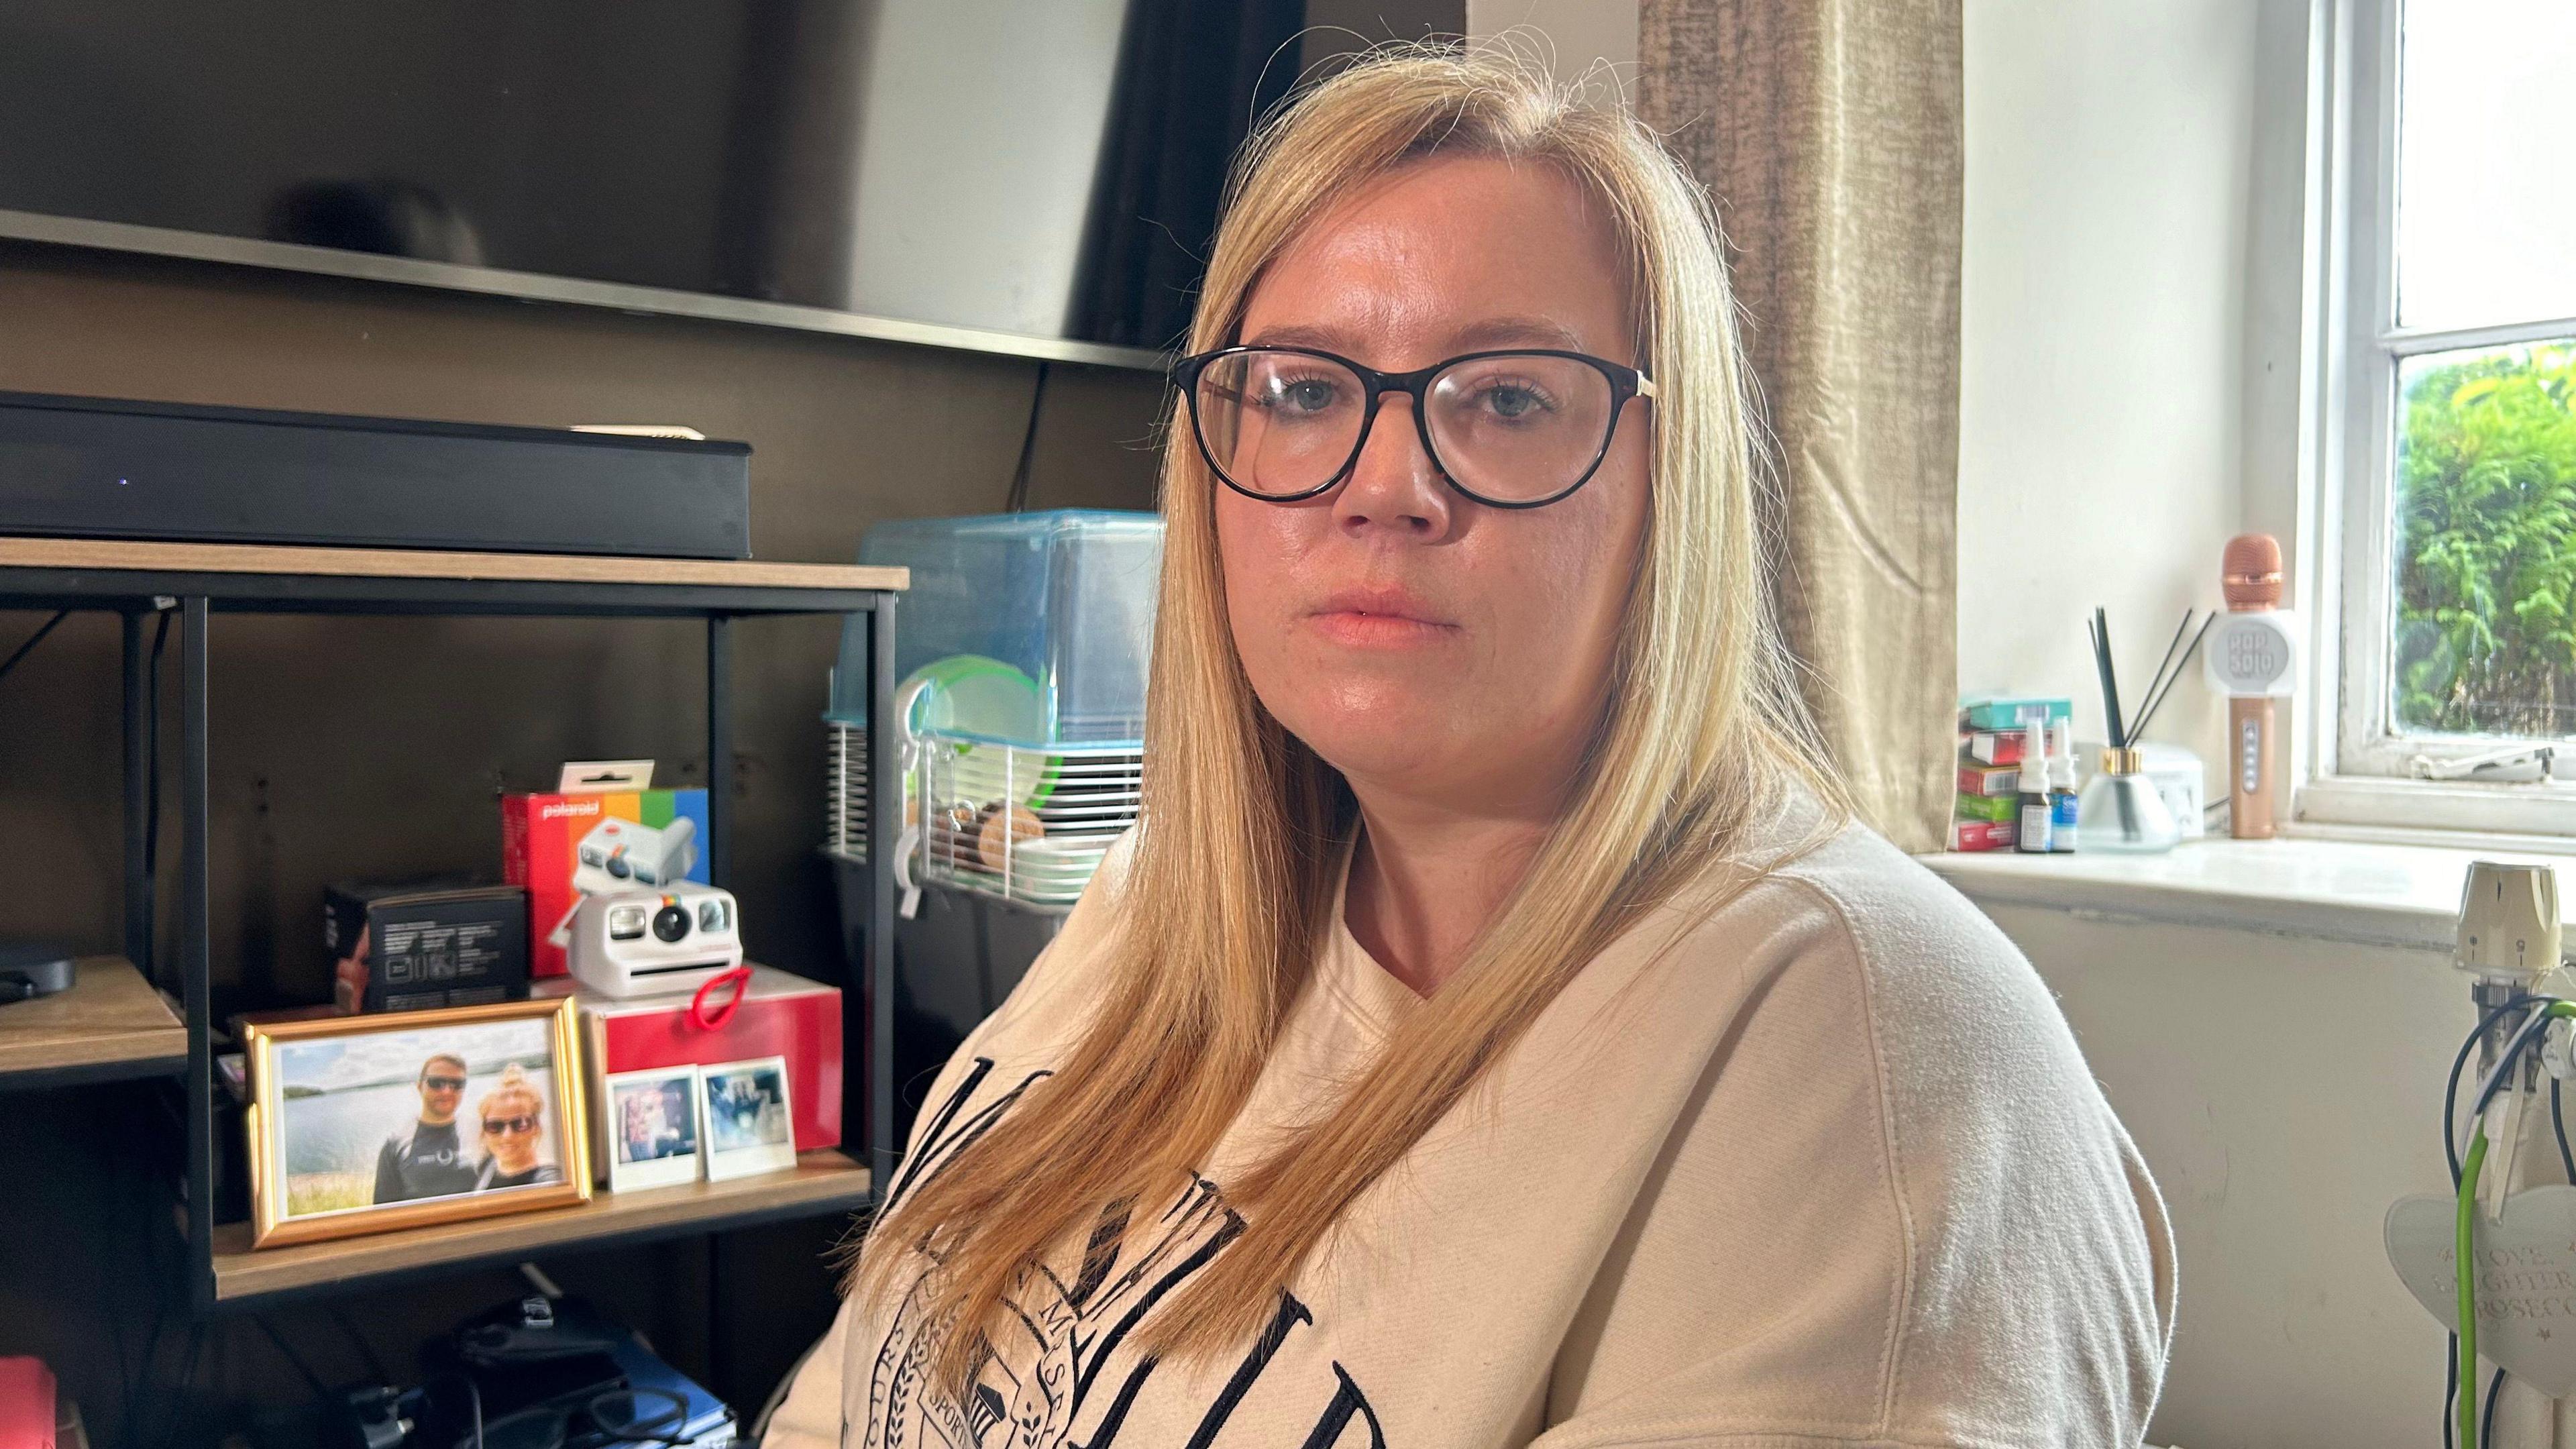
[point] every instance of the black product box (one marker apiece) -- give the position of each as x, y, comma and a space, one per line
424, 944
178, 472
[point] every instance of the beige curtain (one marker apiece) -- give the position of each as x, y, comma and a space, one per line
1828, 132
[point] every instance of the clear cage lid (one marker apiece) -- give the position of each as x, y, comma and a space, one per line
1030, 628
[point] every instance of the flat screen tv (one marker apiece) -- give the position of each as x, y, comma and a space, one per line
1028, 176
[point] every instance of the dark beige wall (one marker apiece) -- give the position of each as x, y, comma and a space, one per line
1335, 28
364, 748
358, 749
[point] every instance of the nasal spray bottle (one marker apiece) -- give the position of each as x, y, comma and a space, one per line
2034, 814
2512, 1310
2253, 659
2061, 787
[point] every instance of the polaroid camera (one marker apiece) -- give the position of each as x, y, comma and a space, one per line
644, 942
620, 854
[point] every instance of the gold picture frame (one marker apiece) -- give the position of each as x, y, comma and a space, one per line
346, 1136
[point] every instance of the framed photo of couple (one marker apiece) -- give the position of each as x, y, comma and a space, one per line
366, 1124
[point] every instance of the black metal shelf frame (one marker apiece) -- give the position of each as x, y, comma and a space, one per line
141, 594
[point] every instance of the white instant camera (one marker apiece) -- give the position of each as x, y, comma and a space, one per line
619, 855
645, 942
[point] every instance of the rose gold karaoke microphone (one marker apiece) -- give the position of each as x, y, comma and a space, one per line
2252, 659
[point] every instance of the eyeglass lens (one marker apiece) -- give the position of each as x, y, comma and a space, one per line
443, 1084
1513, 427
516, 1126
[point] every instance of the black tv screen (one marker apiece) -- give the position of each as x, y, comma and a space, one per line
1037, 176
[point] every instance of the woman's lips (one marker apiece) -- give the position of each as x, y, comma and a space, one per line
1377, 631
1378, 619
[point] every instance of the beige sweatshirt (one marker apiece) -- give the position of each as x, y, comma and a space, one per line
1827, 1172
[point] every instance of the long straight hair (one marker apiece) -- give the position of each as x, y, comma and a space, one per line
1223, 908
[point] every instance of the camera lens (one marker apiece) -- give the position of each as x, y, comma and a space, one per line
618, 867
671, 922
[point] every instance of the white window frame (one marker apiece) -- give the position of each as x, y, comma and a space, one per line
2363, 771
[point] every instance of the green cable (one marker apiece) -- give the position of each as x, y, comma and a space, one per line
2465, 1260
2464, 1252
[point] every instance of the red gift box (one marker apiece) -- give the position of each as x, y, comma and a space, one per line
781, 1014
27, 1416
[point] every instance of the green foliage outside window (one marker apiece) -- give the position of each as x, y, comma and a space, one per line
2486, 544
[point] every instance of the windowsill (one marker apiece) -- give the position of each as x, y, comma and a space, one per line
2356, 892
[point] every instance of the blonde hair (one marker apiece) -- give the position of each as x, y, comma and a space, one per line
1226, 898
512, 1084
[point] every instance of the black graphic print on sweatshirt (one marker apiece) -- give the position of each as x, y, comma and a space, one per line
1064, 1373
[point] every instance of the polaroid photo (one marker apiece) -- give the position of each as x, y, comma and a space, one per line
652, 1121
744, 1107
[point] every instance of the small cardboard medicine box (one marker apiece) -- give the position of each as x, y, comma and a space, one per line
566, 845
415, 946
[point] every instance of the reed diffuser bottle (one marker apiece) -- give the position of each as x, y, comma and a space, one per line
2120, 810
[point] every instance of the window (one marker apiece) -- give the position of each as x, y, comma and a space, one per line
2451, 397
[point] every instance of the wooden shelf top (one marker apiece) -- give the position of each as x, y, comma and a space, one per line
110, 1024
821, 1182
267, 560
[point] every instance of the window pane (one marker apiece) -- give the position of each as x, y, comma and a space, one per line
2486, 542
2486, 227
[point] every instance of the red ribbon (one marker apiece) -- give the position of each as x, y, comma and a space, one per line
711, 1019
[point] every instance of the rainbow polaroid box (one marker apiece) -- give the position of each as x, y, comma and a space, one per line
578, 842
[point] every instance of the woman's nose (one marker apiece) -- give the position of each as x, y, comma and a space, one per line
1394, 484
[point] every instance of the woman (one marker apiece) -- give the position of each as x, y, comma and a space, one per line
513, 1116
648, 1126
1495, 1033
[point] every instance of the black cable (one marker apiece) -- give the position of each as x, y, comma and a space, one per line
2524, 1036
321, 1390
1019, 496
179, 1391
366, 1350
157, 1279
2558, 1125
136, 1401
2486, 1423
473, 1392
2450, 1392
127, 1171
2451, 1153
39, 637
643, 1430
2451, 1087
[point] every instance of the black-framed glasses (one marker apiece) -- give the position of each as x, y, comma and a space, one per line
1516, 428
519, 1126
443, 1084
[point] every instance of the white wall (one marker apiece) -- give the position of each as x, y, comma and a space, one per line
1575, 35
2284, 1092
2110, 147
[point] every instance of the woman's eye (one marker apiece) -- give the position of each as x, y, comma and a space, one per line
1513, 401
1299, 394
